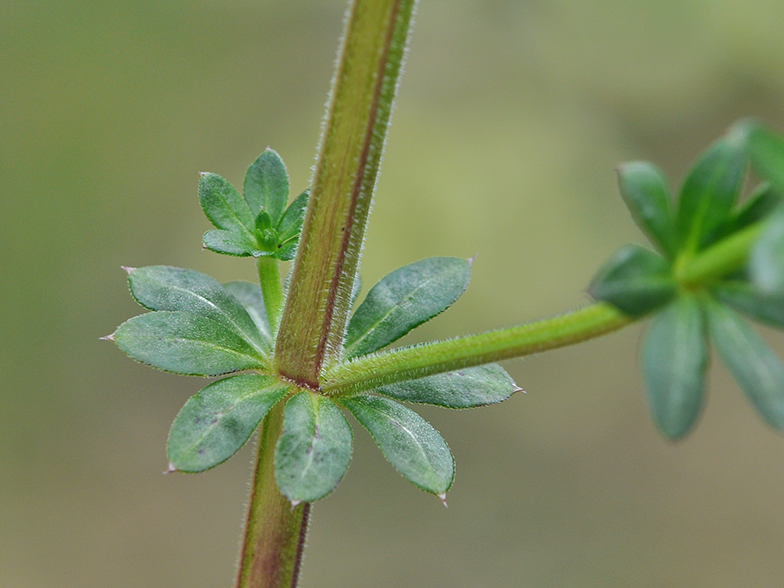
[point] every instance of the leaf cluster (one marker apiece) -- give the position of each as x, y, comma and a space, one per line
197, 326
256, 224
716, 259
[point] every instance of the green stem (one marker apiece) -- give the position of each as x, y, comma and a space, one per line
364, 87
428, 359
726, 256
272, 289
274, 532
312, 322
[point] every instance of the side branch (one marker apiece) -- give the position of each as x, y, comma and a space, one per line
433, 358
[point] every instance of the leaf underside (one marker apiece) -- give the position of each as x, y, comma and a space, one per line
162, 287
674, 360
408, 441
466, 388
215, 423
251, 298
314, 449
186, 343
751, 361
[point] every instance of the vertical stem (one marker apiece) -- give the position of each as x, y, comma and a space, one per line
313, 322
363, 91
274, 532
271, 288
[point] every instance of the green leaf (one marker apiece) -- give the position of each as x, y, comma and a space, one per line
286, 251
314, 449
712, 188
215, 423
252, 299
405, 299
674, 360
266, 236
232, 243
263, 221
751, 300
635, 280
645, 192
223, 205
290, 224
754, 365
408, 441
766, 262
186, 343
767, 155
161, 287
760, 204
267, 185
466, 388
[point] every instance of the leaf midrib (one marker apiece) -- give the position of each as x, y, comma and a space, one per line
372, 328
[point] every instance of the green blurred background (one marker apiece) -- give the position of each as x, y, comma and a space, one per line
511, 118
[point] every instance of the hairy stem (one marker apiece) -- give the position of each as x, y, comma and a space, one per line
363, 91
312, 323
274, 531
433, 358
271, 288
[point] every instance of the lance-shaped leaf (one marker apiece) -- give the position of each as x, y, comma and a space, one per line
762, 305
466, 388
290, 224
405, 299
252, 299
754, 365
712, 187
267, 185
766, 262
635, 280
760, 204
161, 287
223, 205
767, 156
314, 449
645, 192
408, 441
674, 360
232, 243
215, 423
186, 343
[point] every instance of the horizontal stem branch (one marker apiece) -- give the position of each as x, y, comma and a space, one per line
428, 359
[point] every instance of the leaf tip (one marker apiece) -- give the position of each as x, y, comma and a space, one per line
109, 337
171, 469
128, 269
442, 496
294, 503
518, 389
471, 260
